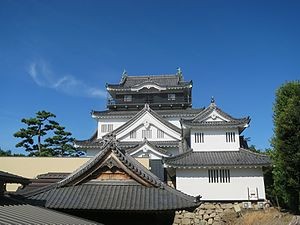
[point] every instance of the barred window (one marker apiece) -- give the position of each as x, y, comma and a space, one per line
146, 133
127, 98
219, 176
160, 134
230, 136
106, 128
199, 137
171, 97
132, 134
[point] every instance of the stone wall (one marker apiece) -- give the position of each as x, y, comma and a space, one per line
206, 214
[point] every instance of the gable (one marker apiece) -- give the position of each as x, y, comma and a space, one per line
146, 150
108, 165
214, 116
147, 121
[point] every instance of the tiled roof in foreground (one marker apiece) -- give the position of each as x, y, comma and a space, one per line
15, 212
12, 178
193, 159
112, 180
114, 195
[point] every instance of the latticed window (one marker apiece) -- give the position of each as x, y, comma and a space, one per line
146, 133
106, 128
132, 134
160, 134
230, 136
199, 137
219, 176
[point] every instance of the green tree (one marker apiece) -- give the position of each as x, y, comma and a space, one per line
57, 141
286, 143
37, 127
5, 153
61, 143
8, 153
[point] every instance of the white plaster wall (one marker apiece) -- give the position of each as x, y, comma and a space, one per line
117, 122
175, 121
154, 123
195, 182
215, 140
139, 136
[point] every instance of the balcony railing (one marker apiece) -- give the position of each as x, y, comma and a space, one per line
177, 101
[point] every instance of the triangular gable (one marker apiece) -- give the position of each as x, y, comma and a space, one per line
149, 150
214, 114
147, 117
94, 187
110, 164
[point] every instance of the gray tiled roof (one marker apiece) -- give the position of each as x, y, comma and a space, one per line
171, 80
124, 144
42, 180
143, 191
12, 178
181, 113
199, 119
15, 212
242, 157
114, 195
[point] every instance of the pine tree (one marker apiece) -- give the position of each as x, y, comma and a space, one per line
61, 143
37, 127
58, 142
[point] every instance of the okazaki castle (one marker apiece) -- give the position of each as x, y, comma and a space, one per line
200, 152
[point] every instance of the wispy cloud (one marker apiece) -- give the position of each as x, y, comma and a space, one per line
44, 76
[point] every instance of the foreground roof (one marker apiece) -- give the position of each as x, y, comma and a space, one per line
242, 157
12, 178
16, 212
112, 180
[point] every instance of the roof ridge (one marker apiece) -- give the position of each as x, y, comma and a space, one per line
254, 153
179, 156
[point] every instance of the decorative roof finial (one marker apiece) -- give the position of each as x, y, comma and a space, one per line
212, 102
124, 75
179, 72
147, 106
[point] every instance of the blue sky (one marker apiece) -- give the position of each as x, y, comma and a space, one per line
57, 56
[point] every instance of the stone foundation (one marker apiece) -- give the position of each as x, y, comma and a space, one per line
207, 214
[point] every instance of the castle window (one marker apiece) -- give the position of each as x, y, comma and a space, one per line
146, 133
127, 98
132, 134
106, 128
219, 176
171, 97
199, 137
160, 134
230, 136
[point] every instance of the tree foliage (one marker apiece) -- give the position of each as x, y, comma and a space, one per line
286, 143
43, 136
8, 153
